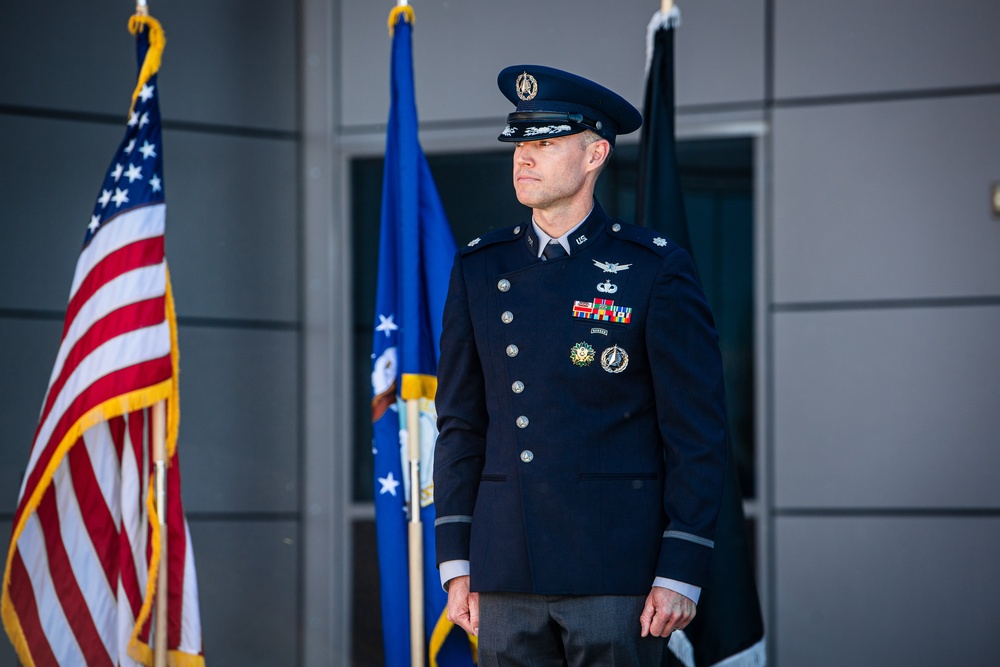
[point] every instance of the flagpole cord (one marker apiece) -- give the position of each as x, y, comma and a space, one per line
416, 538
160, 461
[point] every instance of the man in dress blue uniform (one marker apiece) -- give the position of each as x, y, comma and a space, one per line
583, 445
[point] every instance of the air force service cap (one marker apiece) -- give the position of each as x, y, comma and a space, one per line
554, 103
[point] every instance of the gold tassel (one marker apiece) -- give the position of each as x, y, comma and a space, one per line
154, 55
408, 16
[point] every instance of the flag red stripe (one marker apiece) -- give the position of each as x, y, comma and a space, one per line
177, 546
128, 318
116, 427
22, 596
137, 434
113, 384
97, 519
130, 577
67, 589
145, 252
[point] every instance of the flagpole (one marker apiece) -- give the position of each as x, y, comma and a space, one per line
415, 534
415, 529
160, 461
666, 6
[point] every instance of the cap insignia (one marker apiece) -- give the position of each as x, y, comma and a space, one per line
527, 87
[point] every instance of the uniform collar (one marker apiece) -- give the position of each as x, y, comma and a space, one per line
574, 239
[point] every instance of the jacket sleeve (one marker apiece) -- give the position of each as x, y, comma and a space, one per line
689, 391
460, 451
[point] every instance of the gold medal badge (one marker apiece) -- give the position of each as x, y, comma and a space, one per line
582, 354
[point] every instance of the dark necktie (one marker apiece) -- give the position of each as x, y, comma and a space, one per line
552, 250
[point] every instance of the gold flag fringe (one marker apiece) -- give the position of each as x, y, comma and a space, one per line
154, 55
408, 16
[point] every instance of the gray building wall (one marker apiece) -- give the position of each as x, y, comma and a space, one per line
878, 292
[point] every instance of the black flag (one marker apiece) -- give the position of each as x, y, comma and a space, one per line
728, 625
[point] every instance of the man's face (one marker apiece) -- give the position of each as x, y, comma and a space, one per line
548, 172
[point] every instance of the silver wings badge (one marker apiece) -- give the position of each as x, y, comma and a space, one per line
611, 267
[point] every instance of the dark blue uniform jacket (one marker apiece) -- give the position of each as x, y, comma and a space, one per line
582, 444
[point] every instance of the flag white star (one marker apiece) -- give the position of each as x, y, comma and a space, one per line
134, 173
104, 198
146, 93
131, 145
144, 120
117, 172
389, 484
386, 324
154, 182
133, 119
95, 222
121, 197
148, 150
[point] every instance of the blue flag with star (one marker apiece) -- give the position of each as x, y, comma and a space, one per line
416, 250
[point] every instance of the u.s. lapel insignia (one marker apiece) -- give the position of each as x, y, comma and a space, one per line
614, 359
607, 287
611, 267
581, 239
602, 309
581, 354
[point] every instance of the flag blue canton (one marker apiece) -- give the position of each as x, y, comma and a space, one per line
416, 249
135, 177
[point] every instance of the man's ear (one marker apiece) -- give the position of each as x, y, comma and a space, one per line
597, 153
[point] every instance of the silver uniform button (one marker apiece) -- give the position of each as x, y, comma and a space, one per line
507, 317
522, 422
527, 456
616, 227
517, 230
517, 387
512, 350
503, 285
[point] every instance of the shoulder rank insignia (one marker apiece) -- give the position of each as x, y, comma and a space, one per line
660, 241
611, 267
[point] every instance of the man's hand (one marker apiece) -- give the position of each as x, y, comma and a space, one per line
665, 611
463, 606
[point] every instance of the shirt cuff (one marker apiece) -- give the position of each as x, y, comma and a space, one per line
450, 569
687, 590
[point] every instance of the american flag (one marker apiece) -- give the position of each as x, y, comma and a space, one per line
80, 576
